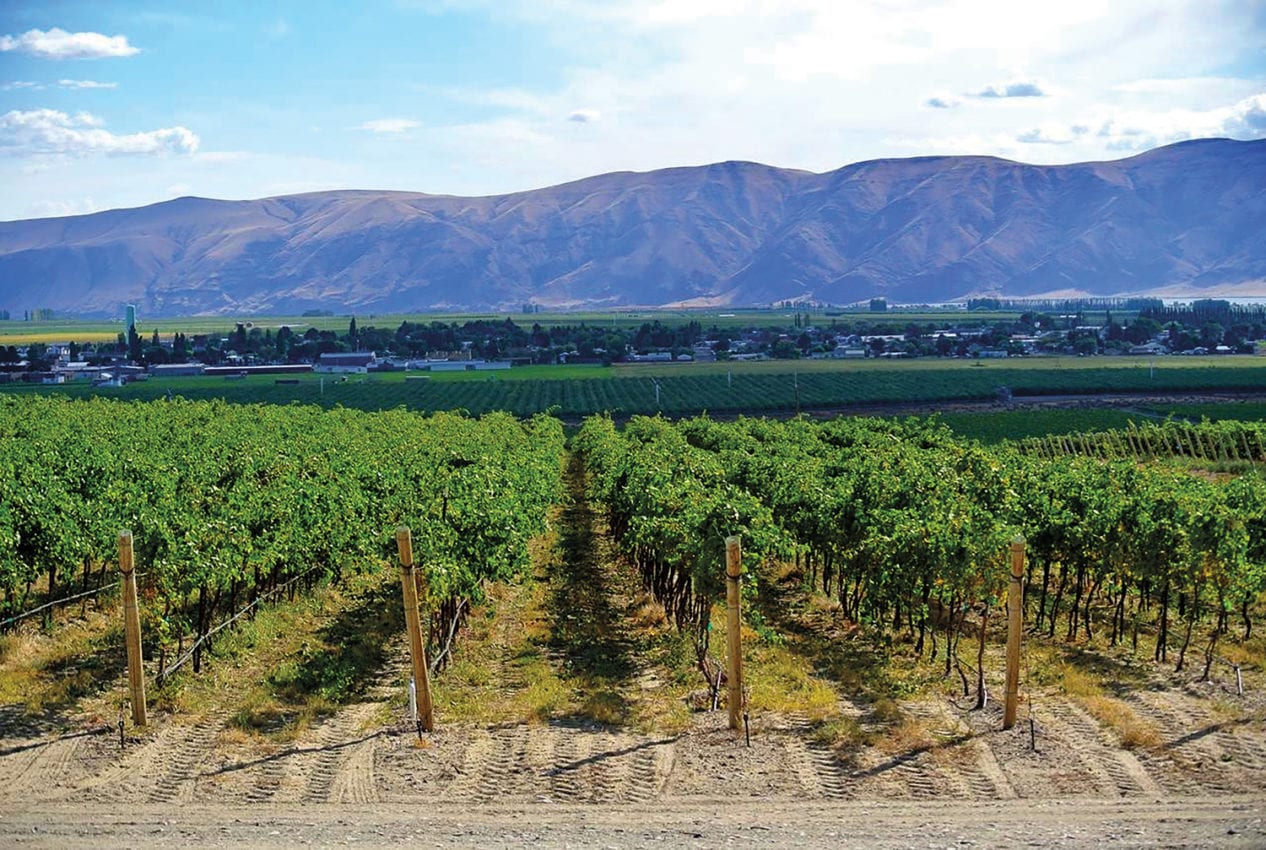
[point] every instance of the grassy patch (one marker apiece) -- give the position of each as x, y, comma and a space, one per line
840, 731
781, 680
79, 665
908, 735
1131, 730
294, 663
1090, 681
499, 673
838, 656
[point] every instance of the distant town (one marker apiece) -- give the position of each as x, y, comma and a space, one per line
1202, 328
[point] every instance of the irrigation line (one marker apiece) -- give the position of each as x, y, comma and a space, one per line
26, 614
183, 659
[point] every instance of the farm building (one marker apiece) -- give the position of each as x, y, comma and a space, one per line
341, 362
466, 365
174, 370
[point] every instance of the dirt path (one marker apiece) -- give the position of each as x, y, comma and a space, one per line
1222, 822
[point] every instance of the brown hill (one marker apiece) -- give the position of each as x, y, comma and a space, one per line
1187, 219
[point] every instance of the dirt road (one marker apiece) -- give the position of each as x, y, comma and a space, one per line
1231, 822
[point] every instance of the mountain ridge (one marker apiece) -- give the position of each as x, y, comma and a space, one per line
1189, 217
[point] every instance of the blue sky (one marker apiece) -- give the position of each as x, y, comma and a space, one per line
112, 104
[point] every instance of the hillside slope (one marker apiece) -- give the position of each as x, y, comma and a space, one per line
1187, 219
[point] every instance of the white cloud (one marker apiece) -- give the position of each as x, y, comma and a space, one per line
86, 84
1018, 88
584, 116
390, 126
18, 85
59, 44
1247, 119
942, 102
1047, 136
47, 131
1138, 130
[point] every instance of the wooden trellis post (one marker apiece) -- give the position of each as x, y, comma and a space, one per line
417, 649
132, 629
734, 623
1015, 621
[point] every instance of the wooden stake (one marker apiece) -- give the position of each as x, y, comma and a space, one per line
733, 566
1015, 599
132, 629
425, 717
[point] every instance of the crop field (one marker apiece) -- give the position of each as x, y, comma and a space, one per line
693, 388
1244, 410
998, 425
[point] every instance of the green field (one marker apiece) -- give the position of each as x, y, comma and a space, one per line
768, 386
996, 426
1246, 411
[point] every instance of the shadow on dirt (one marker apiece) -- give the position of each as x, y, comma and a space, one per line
589, 626
291, 752
837, 651
352, 650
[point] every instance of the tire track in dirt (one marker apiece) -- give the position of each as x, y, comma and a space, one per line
567, 773
987, 776
479, 753
164, 768
494, 767
818, 772
265, 779
1245, 744
611, 767
929, 771
504, 777
538, 757
121, 773
355, 782
972, 771
832, 778
184, 762
651, 765
1115, 772
40, 771
906, 775
1198, 751
326, 774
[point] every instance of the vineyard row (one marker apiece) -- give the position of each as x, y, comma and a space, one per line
227, 503
907, 525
